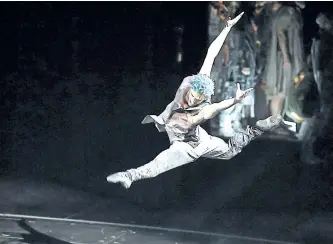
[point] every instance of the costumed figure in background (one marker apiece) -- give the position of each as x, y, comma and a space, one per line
285, 57
237, 66
322, 62
297, 93
218, 15
182, 120
259, 31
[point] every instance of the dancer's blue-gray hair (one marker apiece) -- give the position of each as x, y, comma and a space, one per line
202, 84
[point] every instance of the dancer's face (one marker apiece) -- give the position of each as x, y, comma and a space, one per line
276, 6
229, 10
194, 98
259, 7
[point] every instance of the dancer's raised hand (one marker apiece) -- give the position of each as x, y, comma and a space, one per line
233, 21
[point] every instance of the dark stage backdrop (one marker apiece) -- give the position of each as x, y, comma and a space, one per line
75, 87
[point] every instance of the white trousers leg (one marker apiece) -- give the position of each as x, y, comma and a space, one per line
178, 154
181, 153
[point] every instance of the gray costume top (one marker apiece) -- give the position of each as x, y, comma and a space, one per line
175, 118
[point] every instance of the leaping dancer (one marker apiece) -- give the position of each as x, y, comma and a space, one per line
182, 118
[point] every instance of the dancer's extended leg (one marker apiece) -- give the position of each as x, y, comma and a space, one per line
178, 154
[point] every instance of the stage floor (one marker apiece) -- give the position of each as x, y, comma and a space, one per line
263, 196
48, 213
27, 229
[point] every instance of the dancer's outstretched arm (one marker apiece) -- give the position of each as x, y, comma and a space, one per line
216, 45
210, 111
